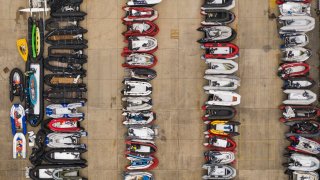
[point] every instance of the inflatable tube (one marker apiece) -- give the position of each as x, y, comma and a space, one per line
217, 34
64, 110
218, 66
220, 51
16, 84
219, 143
65, 65
299, 97
218, 112
19, 146
217, 17
141, 28
18, 119
299, 113
223, 98
219, 157
140, 147
139, 60
297, 69
74, 51
139, 14
222, 127
65, 95
63, 23
66, 36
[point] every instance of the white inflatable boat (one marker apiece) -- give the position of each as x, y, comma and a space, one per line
219, 157
136, 104
221, 66
296, 54
64, 110
139, 118
136, 88
223, 98
302, 175
295, 39
293, 24
218, 4
217, 171
65, 140
138, 175
222, 82
19, 146
142, 132
300, 162
299, 97
295, 9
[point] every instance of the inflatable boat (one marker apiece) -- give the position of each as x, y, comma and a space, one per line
295, 1
218, 112
142, 74
34, 92
56, 172
141, 44
299, 97
297, 69
66, 36
295, 40
19, 146
304, 128
64, 80
295, 9
304, 145
222, 82
220, 51
16, 84
299, 113
35, 38
217, 34
141, 162
136, 88
136, 104
65, 65
223, 98
65, 156
218, 4
63, 140
63, 23
62, 125
218, 171
143, 2
64, 110
298, 83
219, 143
138, 175
295, 24
222, 127
139, 118
59, 10
219, 157
300, 162
217, 17
302, 175
18, 119
141, 28
142, 132
22, 46
140, 147
68, 51
139, 60
295, 54
139, 14
218, 66
65, 95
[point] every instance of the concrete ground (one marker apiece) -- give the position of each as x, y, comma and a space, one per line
178, 93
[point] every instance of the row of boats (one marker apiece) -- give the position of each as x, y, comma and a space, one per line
298, 111
56, 148
138, 116
222, 84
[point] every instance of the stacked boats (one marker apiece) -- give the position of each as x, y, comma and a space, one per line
58, 150
298, 110
137, 88
219, 109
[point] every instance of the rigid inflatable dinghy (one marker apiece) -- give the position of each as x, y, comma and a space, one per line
139, 118
62, 125
302, 175
218, 112
141, 44
295, 9
142, 132
140, 147
216, 34
219, 157
304, 145
298, 83
219, 143
18, 119
65, 95
218, 171
217, 17
64, 140
295, 24
64, 80
220, 51
218, 66
299, 97
222, 127
141, 28
65, 65
295, 54
136, 104
304, 128
139, 14
138, 175
57, 172
294, 40
142, 74
299, 113
218, 4
19, 146
143, 2
16, 84
300, 162
139, 60
222, 82
136, 88
223, 98
297, 69
64, 110
141, 162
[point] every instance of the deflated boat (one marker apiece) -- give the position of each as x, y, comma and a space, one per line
299, 97
295, 40
138, 175
142, 74
141, 117
304, 128
295, 54
220, 51
142, 132
140, 147
139, 60
218, 66
218, 4
219, 157
304, 145
141, 28
217, 17
297, 69
218, 171
16, 84
222, 127
222, 82
216, 34
136, 88
218, 112
219, 143
299, 113
295, 9
293, 24
18, 119
141, 44
298, 83
136, 104
62, 125
223, 98
142, 162
140, 14
300, 162
64, 110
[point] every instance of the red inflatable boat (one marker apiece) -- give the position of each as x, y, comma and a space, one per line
220, 51
298, 1
64, 125
141, 28
297, 69
219, 143
139, 14
140, 147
